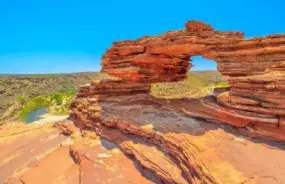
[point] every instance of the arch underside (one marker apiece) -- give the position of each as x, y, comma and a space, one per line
255, 67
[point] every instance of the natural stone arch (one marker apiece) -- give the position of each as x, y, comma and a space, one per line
256, 70
166, 55
229, 49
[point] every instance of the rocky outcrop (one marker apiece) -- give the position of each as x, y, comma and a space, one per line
117, 87
172, 147
136, 139
121, 134
33, 153
255, 68
152, 130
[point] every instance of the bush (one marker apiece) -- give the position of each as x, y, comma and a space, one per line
57, 103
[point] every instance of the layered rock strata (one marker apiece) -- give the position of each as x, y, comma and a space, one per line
174, 148
118, 110
255, 68
33, 153
153, 145
158, 142
112, 87
96, 114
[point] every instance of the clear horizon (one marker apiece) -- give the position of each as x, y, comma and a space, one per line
67, 37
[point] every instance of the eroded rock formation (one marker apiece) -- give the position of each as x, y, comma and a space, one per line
173, 148
255, 68
122, 134
120, 109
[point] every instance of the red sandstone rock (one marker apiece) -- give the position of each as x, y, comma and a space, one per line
255, 68
176, 148
253, 103
37, 174
243, 100
196, 26
170, 147
282, 122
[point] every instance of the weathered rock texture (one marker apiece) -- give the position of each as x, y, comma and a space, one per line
121, 109
33, 154
154, 145
173, 148
255, 67
155, 139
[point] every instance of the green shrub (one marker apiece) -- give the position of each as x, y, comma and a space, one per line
57, 103
222, 84
194, 86
21, 100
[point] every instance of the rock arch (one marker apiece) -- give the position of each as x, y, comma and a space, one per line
256, 70
167, 56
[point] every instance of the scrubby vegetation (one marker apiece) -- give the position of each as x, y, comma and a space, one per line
32, 91
197, 84
56, 103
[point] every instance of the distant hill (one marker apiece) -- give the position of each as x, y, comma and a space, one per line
17, 90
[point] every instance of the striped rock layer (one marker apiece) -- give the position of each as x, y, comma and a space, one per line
255, 68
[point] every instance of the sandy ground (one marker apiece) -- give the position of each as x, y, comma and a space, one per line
48, 118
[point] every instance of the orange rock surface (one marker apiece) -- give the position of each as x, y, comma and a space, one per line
60, 154
175, 148
255, 68
160, 135
136, 139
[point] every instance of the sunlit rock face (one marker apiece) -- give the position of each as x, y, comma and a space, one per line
166, 57
255, 68
122, 134
160, 133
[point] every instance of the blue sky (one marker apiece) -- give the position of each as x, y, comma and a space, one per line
59, 36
